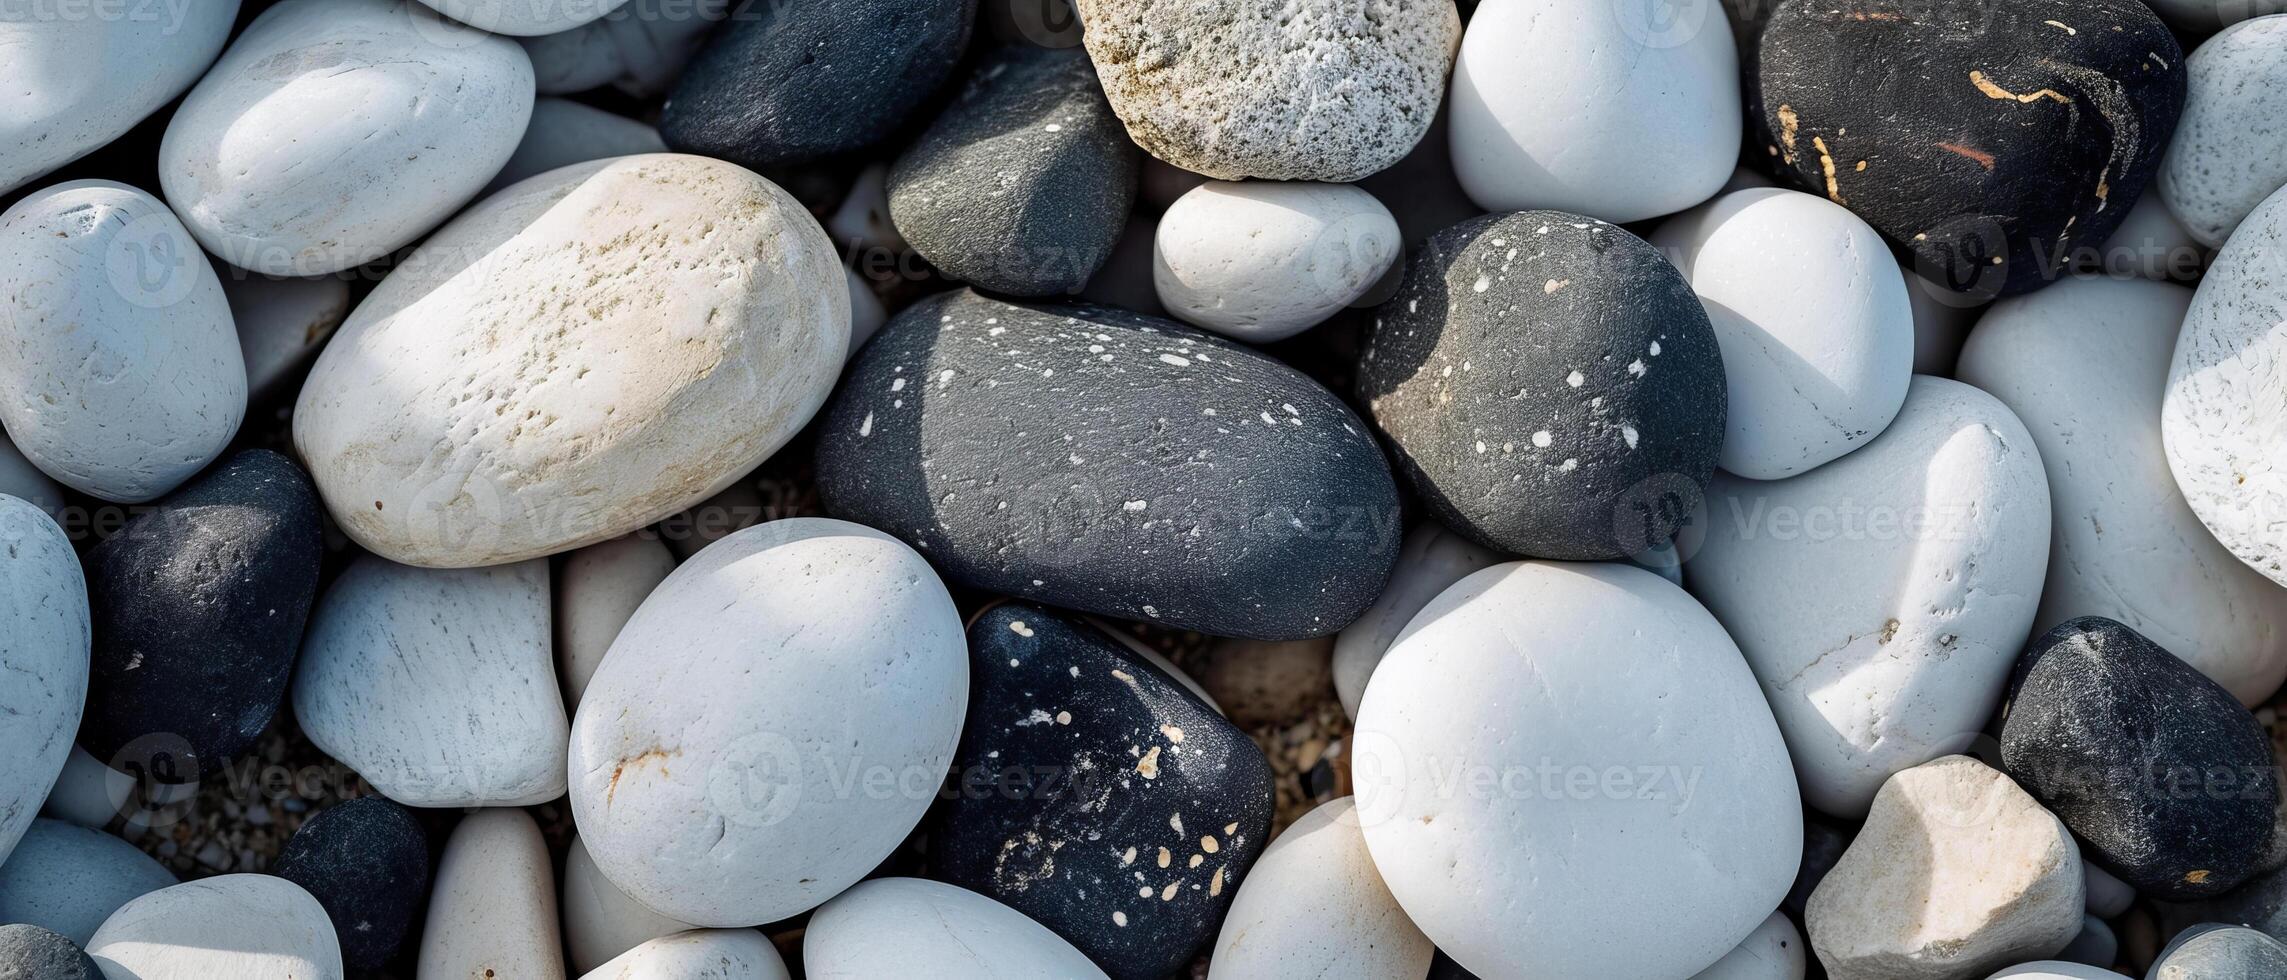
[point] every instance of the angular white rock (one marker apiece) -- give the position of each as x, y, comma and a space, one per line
600, 921
75, 83
1774, 951
334, 132
492, 905
2084, 364
437, 685
1264, 260
259, 927
525, 18
597, 588
640, 333
1812, 315
914, 927
563, 132
1622, 785
2230, 147
638, 48
87, 792
1431, 559
43, 656
710, 750
67, 878
119, 368
1620, 111
707, 954
282, 323
1315, 906
1882, 598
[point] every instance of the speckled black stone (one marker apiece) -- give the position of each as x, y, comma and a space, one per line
1096, 794
1114, 463
1023, 184
198, 607
28, 952
1990, 138
786, 83
2219, 951
2168, 782
1550, 386
367, 862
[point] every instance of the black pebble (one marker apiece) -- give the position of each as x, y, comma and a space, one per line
2167, 781
28, 952
1023, 184
367, 862
790, 83
1991, 139
1098, 795
1114, 463
1550, 385
198, 609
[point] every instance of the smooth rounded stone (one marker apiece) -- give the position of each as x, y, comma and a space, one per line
1264, 260
736, 704
2085, 365
617, 362
19, 478
597, 588
1623, 785
437, 685
1314, 90
1431, 559
198, 606
707, 954
334, 132
70, 878
1956, 872
2095, 945
563, 132
2215, 951
524, 18
1114, 466
1774, 951
28, 952
901, 927
1268, 682
1023, 183
238, 925
1812, 314
282, 324
44, 642
2056, 970
638, 48
600, 921
2177, 798
866, 312
367, 862
87, 792
1097, 795
2108, 896
1995, 145
1550, 385
148, 385
1881, 598
75, 83
492, 912
2225, 157
786, 84
2152, 244
1547, 113
1942, 319
1315, 906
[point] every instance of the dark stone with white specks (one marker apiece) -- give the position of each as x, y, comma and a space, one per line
1989, 138
2168, 782
367, 862
1098, 795
790, 83
1550, 384
28, 952
198, 609
1115, 463
1023, 184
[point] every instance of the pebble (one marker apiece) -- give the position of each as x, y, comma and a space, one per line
148, 386
2108, 896
787, 84
638, 48
1882, 597
437, 685
69, 878
282, 324
20, 479
1262, 261
68, 110
1110, 462
1547, 115
2095, 945
87, 792
44, 618
907, 927
2214, 951
1268, 682
2260, 903
1812, 315
2056, 970
861, 223
286, 170
1957, 872
766, 671
1638, 821
1550, 386
1309, 90
563, 132
2225, 159
708, 954
1431, 559
1991, 155
198, 606
1096, 795
1023, 183
597, 588
1774, 951
2085, 365
366, 861
600, 921
238, 925
1315, 906
2196, 17
674, 361
2169, 783
523, 18
28, 952
492, 912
